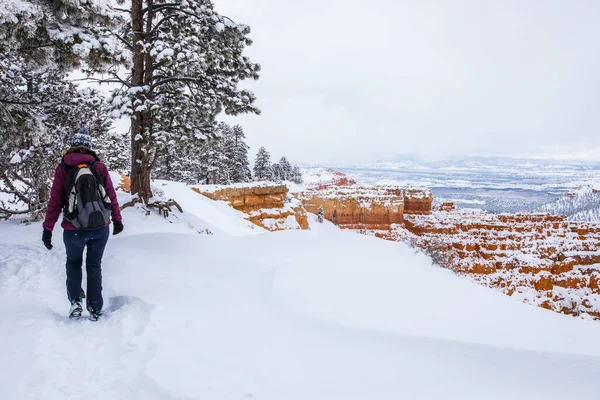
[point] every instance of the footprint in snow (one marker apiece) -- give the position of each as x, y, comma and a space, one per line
120, 305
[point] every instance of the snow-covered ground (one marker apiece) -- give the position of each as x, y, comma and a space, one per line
319, 314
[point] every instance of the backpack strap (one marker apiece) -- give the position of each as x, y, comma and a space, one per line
69, 182
99, 180
92, 167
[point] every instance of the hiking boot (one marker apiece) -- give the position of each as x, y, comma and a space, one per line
76, 309
95, 315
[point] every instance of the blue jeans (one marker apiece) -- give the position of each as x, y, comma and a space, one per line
75, 242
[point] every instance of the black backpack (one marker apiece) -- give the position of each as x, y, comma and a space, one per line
87, 205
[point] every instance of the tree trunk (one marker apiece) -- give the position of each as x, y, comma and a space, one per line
40, 198
140, 160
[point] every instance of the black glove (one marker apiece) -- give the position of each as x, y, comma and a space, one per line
117, 227
47, 239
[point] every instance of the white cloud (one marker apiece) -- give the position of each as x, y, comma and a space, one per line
348, 79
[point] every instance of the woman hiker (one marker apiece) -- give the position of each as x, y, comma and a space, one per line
82, 189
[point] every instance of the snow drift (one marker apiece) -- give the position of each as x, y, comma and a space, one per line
319, 314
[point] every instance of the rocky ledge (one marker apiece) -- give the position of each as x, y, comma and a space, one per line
266, 205
541, 259
367, 207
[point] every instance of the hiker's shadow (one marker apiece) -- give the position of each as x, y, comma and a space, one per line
115, 303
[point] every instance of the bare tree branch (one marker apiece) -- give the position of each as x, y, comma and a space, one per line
6, 213
161, 21
11, 186
161, 7
99, 80
123, 40
175, 79
36, 47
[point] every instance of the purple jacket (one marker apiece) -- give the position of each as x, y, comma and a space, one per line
59, 191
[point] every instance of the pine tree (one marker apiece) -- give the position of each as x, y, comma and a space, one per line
277, 172
21, 110
40, 42
321, 214
53, 113
286, 169
114, 149
262, 165
222, 159
212, 163
225, 135
187, 62
240, 167
235, 152
296, 175
180, 161
62, 35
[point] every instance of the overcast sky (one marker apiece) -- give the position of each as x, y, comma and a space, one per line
350, 80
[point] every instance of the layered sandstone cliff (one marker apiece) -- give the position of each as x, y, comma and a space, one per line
417, 201
355, 207
540, 258
266, 205
367, 207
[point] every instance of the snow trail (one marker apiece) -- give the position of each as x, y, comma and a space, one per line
296, 315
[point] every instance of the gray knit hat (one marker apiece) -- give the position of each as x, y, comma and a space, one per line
82, 139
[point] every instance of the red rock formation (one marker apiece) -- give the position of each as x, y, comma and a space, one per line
543, 259
264, 204
247, 199
358, 207
447, 206
417, 201
337, 179
540, 258
125, 183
